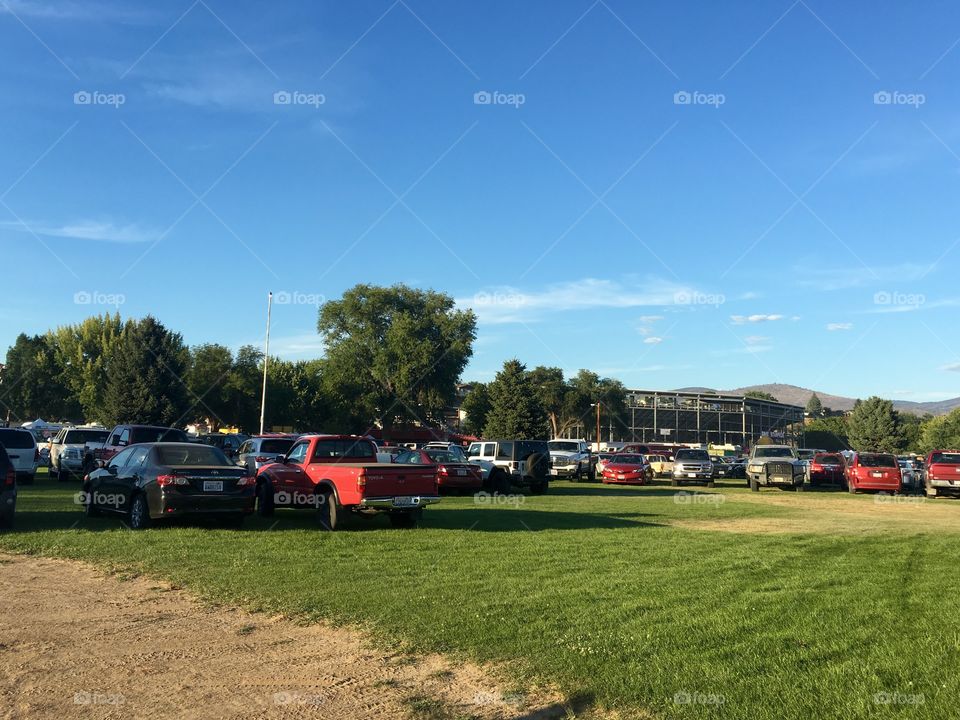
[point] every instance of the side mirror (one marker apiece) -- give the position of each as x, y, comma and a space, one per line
282, 459
101, 464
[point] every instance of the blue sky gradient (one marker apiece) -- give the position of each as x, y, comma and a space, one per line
795, 221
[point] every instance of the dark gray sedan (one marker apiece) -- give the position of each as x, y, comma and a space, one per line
152, 481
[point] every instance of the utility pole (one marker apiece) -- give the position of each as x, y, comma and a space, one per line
266, 360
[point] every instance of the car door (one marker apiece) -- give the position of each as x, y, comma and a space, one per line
290, 477
105, 485
129, 476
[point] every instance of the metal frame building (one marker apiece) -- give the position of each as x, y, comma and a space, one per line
706, 417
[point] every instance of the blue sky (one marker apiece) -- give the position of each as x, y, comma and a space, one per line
669, 193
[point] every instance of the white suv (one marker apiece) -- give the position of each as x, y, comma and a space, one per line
21, 447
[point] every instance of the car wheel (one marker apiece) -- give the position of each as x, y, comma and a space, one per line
538, 487
711, 484
139, 515
406, 519
89, 510
500, 483
674, 482
62, 475
754, 485
329, 512
851, 488
265, 498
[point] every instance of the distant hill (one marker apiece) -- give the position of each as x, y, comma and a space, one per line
795, 395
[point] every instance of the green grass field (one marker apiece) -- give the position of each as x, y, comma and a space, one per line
718, 604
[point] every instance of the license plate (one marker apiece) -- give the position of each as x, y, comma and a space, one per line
621, 477
693, 475
402, 501
781, 478
213, 485
461, 473
877, 475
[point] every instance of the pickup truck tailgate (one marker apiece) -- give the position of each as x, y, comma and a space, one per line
388, 480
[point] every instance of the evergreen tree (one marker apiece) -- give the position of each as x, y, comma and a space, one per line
875, 425
515, 411
814, 406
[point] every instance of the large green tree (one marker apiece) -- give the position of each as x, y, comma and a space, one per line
875, 425
210, 368
83, 352
760, 395
814, 406
941, 432
397, 351
515, 410
476, 406
145, 381
32, 385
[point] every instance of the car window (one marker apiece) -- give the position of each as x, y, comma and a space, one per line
444, 456
692, 455
505, 451
945, 458
16, 439
277, 446
475, 449
176, 454
120, 459
245, 448
80, 437
878, 461
344, 448
297, 454
137, 456
124, 438
158, 434
403, 458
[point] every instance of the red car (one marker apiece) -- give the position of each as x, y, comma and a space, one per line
627, 469
943, 473
826, 468
453, 470
873, 471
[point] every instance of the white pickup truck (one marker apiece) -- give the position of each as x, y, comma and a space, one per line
571, 458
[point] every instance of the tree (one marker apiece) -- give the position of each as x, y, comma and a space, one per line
515, 411
243, 387
399, 351
941, 432
830, 433
82, 353
32, 385
911, 426
875, 425
145, 376
814, 406
760, 395
210, 368
476, 406
553, 394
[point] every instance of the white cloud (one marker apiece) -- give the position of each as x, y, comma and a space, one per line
98, 230
64, 10
504, 304
832, 327
953, 367
653, 340
759, 318
297, 347
756, 340
856, 275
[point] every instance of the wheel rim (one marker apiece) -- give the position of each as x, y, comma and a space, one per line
136, 512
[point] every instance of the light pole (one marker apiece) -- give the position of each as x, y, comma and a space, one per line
597, 405
266, 360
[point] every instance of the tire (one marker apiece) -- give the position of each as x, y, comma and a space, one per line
138, 517
27, 480
711, 484
539, 487
265, 506
88, 508
851, 488
754, 485
674, 482
62, 476
406, 520
330, 514
499, 483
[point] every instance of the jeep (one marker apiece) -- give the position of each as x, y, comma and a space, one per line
525, 463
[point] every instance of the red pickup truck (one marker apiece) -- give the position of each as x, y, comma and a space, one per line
338, 475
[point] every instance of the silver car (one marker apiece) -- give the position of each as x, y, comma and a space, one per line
259, 451
692, 465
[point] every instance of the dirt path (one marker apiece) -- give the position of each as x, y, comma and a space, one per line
77, 643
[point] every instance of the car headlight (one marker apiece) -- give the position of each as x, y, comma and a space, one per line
754, 468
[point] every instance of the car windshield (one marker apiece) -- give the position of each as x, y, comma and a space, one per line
157, 434
878, 461
561, 446
16, 439
81, 437
627, 460
474, 449
444, 456
176, 455
773, 452
276, 446
805, 454
943, 458
692, 455
827, 459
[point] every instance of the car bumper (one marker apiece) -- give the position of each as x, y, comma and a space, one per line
829, 477
777, 480
390, 503
624, 479
565, 471
460, 483
693, 476
945, 485
179, 506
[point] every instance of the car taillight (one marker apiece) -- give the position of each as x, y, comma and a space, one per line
11, 477
246, 481
262, 459
362, 481
442, 470
167, 480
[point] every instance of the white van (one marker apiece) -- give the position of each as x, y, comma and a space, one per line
22, 449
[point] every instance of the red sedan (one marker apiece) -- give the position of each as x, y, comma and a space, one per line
453, 470
874, 471
627, 469
826, 468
